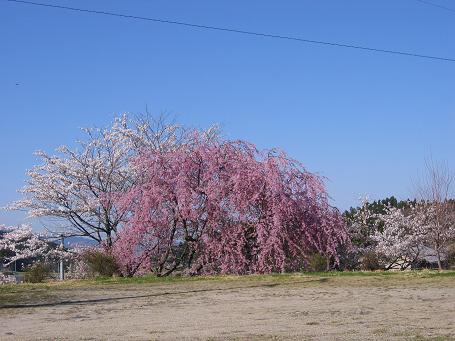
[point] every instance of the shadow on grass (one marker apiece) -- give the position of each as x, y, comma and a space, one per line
168, 293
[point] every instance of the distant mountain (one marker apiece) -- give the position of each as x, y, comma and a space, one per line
79, 241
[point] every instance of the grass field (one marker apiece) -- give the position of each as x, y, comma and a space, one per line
319, 306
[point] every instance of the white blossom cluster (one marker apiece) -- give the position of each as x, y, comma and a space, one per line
7, 279
19, 243
76, 185
401, 234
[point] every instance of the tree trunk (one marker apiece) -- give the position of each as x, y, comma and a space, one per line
109, 241
439, 260
327, 268
438, 254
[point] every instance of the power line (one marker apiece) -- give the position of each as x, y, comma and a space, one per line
233, 30
436, 5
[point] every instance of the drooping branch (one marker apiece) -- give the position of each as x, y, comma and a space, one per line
235, 210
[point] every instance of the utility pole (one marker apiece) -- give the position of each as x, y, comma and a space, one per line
61, 269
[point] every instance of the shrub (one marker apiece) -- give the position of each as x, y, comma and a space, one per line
317, 263
370, 261
349, 258
423, 264
7, 279
37, 273
451, 256
100, 263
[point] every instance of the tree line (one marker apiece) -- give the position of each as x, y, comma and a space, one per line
161, 198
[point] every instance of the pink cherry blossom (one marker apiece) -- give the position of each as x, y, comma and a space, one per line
224, 207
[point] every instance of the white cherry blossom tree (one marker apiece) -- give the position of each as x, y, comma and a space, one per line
20, 243
402, 236
74, 185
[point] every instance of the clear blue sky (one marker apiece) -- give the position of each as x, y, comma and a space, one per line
366, 121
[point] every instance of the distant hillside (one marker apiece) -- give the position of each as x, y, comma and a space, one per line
79, 241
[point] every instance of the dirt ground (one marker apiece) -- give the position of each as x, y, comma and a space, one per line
295, 308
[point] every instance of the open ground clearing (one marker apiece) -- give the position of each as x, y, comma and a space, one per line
411, 306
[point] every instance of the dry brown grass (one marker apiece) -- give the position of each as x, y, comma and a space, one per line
417, 306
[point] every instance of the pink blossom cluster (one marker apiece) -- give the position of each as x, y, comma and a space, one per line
224, 207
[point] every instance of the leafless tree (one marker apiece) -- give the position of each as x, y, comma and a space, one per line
434, 190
